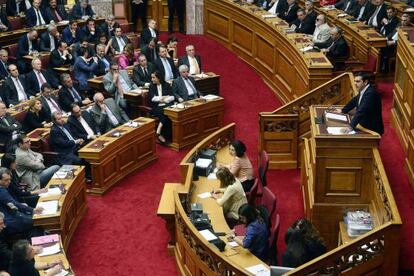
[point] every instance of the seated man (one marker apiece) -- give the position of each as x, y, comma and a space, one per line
15, 87
72, 33
363, 10
378, 15
107, 114
301, 25
89, 31
49, 102
17, 8
367, 104
118, 41
322, 31
184, 86
4, 23
55, 12
49, 40
150, 51
289, 14
165, 65
389, 24
82, 10
35, 16
82, 125
5, 252
336, 48
70, 94
103, 60
82, 44
84, 67
346, 5
30, 165
28, 45
108, 27
276, 6
9, 126
149, 33
17, 216
192, 60
310, 12
37, 77
4, 58
117, 82
60, 57
142, 72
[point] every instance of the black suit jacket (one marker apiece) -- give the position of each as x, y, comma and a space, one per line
149, 53
33, 85
55, 59
343, 3
369, 9
388, 29
368, 112
307, 26
23, 46
382, 13
184, 60
139, 77
6, 130
92, 38
33, 120
76, 128
281, 6
61, 144
100, 70
77, 11
290, 14
4, 71
45, 42
5, 21
11, 8
115, 44
104, 29
50, 13
339, 49
45, 106
153, 91
160, 67
11, 91
146, 36
181, 91
31, 17
66, 98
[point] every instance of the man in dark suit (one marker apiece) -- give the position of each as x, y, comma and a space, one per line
150, 50
346, 5
104, 61
50, 103
367, 104
49, 40
37, 77
276, 6
82, 125
192, 60
28, 44
118, 41
380, 12
9, 126
15, 87
55, 12
389, 24
289, 14
89, 31
149, 33
82, 44
336, 48
60, 57
4, 58
72, 33
165, 65
142, 72
107, 114
16, 8
108, 27
139, 10
82, 10
176, 6
35, 16
310, 13
70, 94
4, 23
302, 24
184, 87
363, 10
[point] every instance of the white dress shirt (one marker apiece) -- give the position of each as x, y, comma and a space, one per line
21, 95
361, 94
86, 127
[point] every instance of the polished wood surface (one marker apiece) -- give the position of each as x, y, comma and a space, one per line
264, 44
58, 256
72, 207
118, 153
195, 121
402, 112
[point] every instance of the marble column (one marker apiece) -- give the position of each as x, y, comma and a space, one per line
195, 19
102, 8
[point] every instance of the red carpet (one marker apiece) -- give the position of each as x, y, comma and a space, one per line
121, 235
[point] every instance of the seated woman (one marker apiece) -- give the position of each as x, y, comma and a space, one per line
160, 95
128, 57
102, 39
257, 234
8, 161
172, 47
232, 195
240, 167
303, 242
23, 264
36, 117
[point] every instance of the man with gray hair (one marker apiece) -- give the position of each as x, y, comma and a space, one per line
192, 60
4, 58
184, 88
322, 31
108, 27
104, 61
336, 48
49, 40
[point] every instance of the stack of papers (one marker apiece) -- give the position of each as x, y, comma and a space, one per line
204, 195
306, 49
51, 192
60, 175
259, 270
210, 97
131, 124
340, 130
208, 235
336, 116
409, 9
203, 163
45, 239
341, 15
269, 15
50, 250
62, 273
49, 207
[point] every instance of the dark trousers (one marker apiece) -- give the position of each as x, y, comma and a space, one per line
179, 7
139, 11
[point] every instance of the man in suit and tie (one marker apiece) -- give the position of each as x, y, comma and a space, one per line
4, 58
70, 94
367, 104
104, 61
82, 125
28, 45
142, 71
84, 67
55, 12
165, 65
150, 50
16, 7
184, 87
82, 10
149, 33
50, 103
108, 27
303, 25
107, 114
9, 126
337, 49
72, 33
60, 57
322, 31
290, 12
390, 23
363, 10
310, 12
117, 82
49, 40
15, 87
192, 60
35, 16
37, 77
277, 7
89, 31
346, 5
380, 12
4, 23
118, 41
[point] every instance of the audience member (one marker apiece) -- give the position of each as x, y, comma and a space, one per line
172, 47
322, 31
289, 14
192, 60
277, 7
82, 44
89, 31
118, 41
37, 77
36, 16
15, 87
310, 12
160, 95
390, 23
363, 10
28, 45
36, 116
4, 58
49, 100
149, 33
142, 72
60, 57
81, 124
346, 5
176, 7
128, 57
302, 24
107, 114
378, 14
9, 126
337, 48
72, 33
232, 197
49, 40
82, 10
55, 12
104, 60
4, 22
108, 27
184, 87
139, 11
150, 50
70, 93
165, 65
84, 68
16, 8
103, 40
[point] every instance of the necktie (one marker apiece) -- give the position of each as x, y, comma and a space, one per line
54, 104
154, 54
83, 12
5, 121
41, 79
58, 16
75, 94
371, 20
39, 18
67, 133
112, 118
145, 71
192, 86
5, 67
21, 90
167, 69
194, 64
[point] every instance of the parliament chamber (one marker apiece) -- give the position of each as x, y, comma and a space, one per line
117, 138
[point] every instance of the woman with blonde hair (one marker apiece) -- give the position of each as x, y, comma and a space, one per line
36, 117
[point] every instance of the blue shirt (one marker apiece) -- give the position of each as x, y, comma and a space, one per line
257, 239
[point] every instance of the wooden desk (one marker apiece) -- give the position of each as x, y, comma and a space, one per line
72, 207
197, 120
113, 158
36, 137
19, 111
264, 45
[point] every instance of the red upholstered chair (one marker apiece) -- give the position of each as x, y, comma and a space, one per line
269, 201
12, 49
135, 41
127, 28
50, 156
274, 234
263, 167
16, 23
252, 194
369, 67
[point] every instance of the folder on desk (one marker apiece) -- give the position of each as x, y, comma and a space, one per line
45, 239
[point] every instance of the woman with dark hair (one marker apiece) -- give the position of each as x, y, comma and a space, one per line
315, 244
36, 117
23, 264
172, 47
8, 161
257, 234
128, 57
103, 39
240, 167
160, 95
232, 195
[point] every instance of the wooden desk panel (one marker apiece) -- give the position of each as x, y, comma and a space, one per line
113, 158
58, 256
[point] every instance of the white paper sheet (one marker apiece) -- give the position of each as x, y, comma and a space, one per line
204, 195
203, 163
233, 244
208, 235
49, 207
212, 176
51, 192
336, 116
339, 131
269, 15
259, 269
50, 250
210, 97
62, 273
59, 175
306, 49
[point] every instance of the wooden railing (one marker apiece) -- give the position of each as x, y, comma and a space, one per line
282, 130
